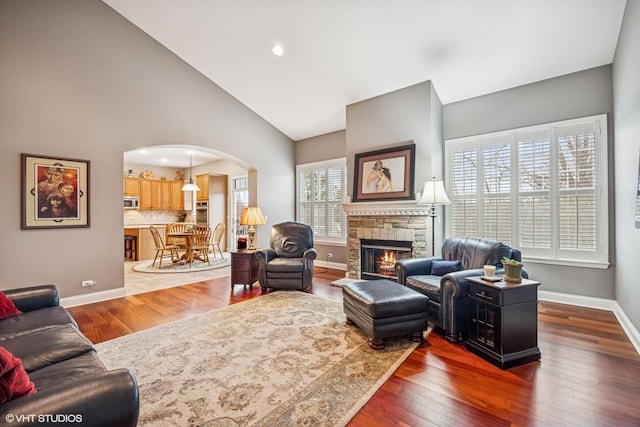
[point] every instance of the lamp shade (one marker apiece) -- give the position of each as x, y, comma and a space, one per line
252, 216
434, 194
190, 187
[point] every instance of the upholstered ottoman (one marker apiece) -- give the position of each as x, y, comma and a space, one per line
385, 309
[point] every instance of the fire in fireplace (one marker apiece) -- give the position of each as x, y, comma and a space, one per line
378, 257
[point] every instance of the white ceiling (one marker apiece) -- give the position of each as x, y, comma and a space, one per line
169, 156
338, 52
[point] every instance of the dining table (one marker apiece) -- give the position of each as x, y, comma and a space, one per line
189, 254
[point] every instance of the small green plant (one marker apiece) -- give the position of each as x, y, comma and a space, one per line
510, 261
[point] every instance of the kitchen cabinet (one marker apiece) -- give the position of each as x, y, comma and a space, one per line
156, 194
202, 181
145, 194
177, 196
131, 187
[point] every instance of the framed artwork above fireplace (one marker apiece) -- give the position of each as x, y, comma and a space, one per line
386, 174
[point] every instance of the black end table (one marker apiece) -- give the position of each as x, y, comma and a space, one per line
504, 321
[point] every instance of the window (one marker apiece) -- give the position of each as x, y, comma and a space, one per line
240, 201
541, 189
321, 190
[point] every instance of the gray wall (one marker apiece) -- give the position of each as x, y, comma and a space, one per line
409, 114
579, 94
324, 147
78, 80
626, 92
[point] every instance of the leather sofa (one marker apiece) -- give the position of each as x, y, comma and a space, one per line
288, 263
73, 387
442, 279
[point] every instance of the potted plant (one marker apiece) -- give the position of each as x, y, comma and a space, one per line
512, 269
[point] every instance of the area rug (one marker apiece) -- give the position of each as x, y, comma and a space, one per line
169, 267
344, 281
281, 359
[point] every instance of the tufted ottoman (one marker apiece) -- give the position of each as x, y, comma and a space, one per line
385, 309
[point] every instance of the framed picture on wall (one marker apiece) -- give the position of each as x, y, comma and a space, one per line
55, 192
386, 174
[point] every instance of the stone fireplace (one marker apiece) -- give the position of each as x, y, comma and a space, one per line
384, 221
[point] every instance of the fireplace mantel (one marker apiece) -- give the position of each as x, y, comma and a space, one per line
391, 208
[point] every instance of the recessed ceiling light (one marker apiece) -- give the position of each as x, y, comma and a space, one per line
278, 50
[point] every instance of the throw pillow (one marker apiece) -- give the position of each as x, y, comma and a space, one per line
14, 381
440, 268
7, 307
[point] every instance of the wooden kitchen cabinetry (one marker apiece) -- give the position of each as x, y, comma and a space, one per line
177, 196
202, 181
132, 187
156, 194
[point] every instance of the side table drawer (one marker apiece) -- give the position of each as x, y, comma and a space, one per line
491, 296
241, 263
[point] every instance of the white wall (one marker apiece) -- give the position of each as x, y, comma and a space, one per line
626, 92
80, 81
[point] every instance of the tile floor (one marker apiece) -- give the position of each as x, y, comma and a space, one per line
137, 283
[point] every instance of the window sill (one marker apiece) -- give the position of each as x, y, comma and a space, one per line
567, 262
327, 242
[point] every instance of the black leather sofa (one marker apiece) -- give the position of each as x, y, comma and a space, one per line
73, 387
445, 284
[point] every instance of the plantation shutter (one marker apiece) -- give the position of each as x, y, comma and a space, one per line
577, 197
540, 189
534, 192
496, 213
321, 190
464, 185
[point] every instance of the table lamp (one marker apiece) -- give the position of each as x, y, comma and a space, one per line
252, 216
434, 194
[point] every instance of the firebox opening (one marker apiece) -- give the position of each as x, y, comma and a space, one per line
378, 257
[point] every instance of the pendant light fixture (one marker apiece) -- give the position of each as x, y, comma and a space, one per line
190, 186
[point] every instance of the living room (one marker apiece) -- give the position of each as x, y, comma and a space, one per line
80, 81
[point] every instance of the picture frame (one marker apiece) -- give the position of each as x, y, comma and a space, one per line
386, 174
55, 192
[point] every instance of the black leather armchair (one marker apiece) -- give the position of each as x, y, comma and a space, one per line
288, 263
446, 286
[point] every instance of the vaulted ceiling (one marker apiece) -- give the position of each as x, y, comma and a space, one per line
338, 52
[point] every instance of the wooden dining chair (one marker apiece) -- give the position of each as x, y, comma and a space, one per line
216, 238
163, 250
178, 227
200, 237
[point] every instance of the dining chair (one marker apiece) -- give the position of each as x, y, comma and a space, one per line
163, 250
216, 238
178, 227
200, 237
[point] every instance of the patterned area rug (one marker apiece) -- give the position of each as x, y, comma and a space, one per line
281, 359
169, 267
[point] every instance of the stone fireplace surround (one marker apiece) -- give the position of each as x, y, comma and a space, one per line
395, 220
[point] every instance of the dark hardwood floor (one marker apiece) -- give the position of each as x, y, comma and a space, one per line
589, 374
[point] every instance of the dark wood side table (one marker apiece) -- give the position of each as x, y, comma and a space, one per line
504, 321
244, 268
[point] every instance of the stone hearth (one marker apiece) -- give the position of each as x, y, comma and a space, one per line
385, 221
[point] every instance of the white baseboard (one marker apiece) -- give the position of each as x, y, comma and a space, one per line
76, 300
599, 303
334, 265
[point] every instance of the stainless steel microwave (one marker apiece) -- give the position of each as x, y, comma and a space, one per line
131, 202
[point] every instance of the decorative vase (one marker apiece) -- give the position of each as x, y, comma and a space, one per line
513, 273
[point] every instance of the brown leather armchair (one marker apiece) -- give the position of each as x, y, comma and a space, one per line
443, 279
288, 263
